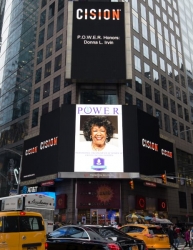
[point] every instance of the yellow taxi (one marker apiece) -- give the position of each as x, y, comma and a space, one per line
22, 230
153, 235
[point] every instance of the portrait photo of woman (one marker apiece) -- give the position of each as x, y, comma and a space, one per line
99, 131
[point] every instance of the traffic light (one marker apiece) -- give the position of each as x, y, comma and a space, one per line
164, 178
131, 184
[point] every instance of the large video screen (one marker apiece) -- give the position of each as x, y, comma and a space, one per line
98, 42
98, 138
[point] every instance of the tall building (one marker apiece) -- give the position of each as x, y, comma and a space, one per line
61, 52
2, 8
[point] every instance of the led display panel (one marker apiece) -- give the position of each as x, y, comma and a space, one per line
98, 138
98, 42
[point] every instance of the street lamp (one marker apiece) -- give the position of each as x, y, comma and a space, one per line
20, 166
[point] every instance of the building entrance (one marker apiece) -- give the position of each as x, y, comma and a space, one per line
98, 216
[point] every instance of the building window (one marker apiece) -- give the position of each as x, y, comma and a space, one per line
44, 2
178, 93
165, 18
166, 34
56, 85
175, 127
49, 48
134, 5
151, 19
162, 64
149, 109
46, 90
176, 75
144, 31
135, 24
147, 72
182, 199
128, 99
184, 97
157, 10
45, 108
37, 95
136, 43
67, 98
173, 106
150, 3
182, 80
171, 88
145, 51
138, 85
35, 117
50, 30
186, 114
51, 10
60, 5
182, 132
47, 69
43, 18
143, 11
148, 91
38, 75
165, 101
160, 45
155, 77
139, 104
58, 62
137, 63
180, 112
39, 56
153, 39
154, 57
56, 103
41, 37
174, 57
60, 21
158, 114
164, 82
157, 96
169, 68
167, 123
188, 134
168, 53
159, 27
59, 41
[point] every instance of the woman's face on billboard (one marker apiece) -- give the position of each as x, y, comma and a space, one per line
99, 135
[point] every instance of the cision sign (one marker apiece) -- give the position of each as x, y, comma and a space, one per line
98, 42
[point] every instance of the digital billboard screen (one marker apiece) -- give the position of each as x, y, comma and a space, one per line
98, 138
98, 42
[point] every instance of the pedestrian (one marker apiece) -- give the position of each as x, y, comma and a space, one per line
56, 225
176, 237
191, 236
171, 237
187, 238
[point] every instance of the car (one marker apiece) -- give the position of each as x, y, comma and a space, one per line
81, 237
153, 235
22, 230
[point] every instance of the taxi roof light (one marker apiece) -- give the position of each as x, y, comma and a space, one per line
22, 213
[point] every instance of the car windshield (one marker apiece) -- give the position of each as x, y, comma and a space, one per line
106, 232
